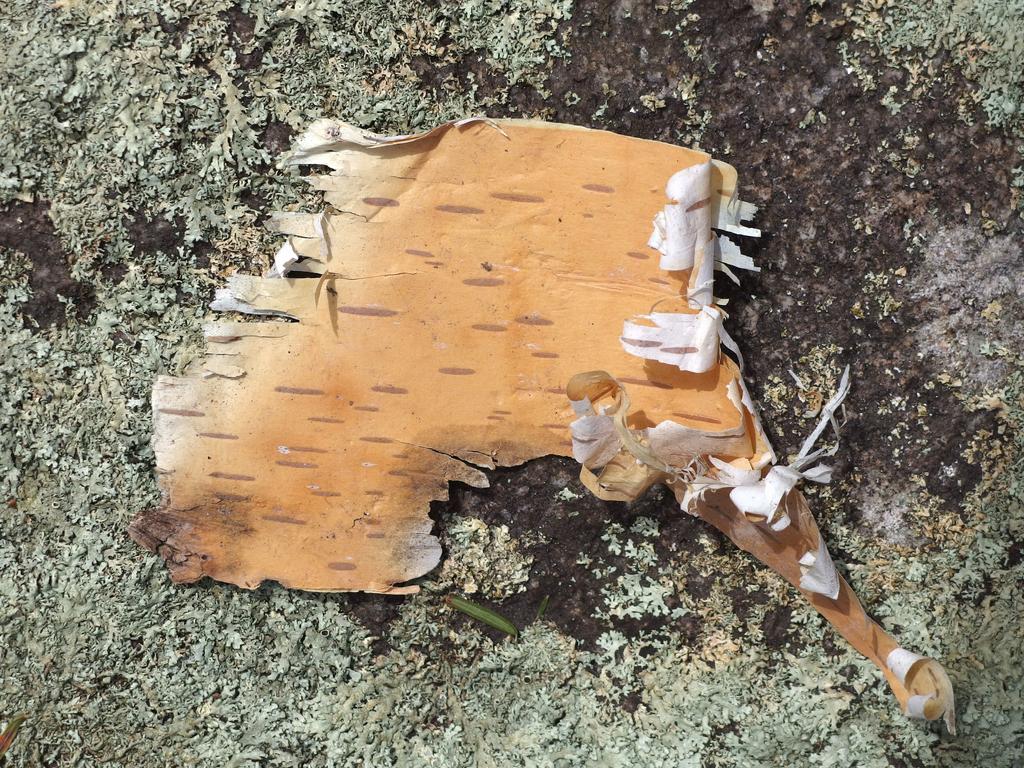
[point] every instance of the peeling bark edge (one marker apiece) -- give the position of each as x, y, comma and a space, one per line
160, 531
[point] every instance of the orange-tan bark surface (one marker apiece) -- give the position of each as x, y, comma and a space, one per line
469, 275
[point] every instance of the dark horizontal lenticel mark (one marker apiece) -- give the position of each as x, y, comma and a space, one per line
694, 417
298, 391
640, 342
232, 497
513, 197
368, 311
372, 439
496, 418
231, 476
417, 252
324, 419
503, 413
283, 519
180, 412
489, 327
296, 464
456, 371
305, 449
387, 389
645, 383
533, 320
637, 255
218, 435
554, 426
376, 535
598, 188
326, 494
546, 355
381, 202
368, 408
342, 566
484, 282
374, 493
459, 209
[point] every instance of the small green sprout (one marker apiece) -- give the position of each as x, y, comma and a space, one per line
480, 613
543, 607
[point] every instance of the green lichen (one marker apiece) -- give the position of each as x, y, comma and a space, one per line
985, 41
567, 494
482, 559
638, 589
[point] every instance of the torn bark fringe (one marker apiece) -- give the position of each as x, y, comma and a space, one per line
620, 461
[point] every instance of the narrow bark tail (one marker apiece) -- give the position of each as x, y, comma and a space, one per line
920, 684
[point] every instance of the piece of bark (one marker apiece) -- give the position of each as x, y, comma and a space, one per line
461, 281
466, 275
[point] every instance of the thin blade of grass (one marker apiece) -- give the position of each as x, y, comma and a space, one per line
480, 613
7, 737
543, 607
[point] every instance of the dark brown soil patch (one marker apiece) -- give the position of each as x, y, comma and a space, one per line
526, 500
241, 31
27, 228
155, 235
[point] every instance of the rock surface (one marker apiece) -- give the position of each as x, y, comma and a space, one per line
139, 163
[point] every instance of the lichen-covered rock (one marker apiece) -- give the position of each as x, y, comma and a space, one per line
152, 197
